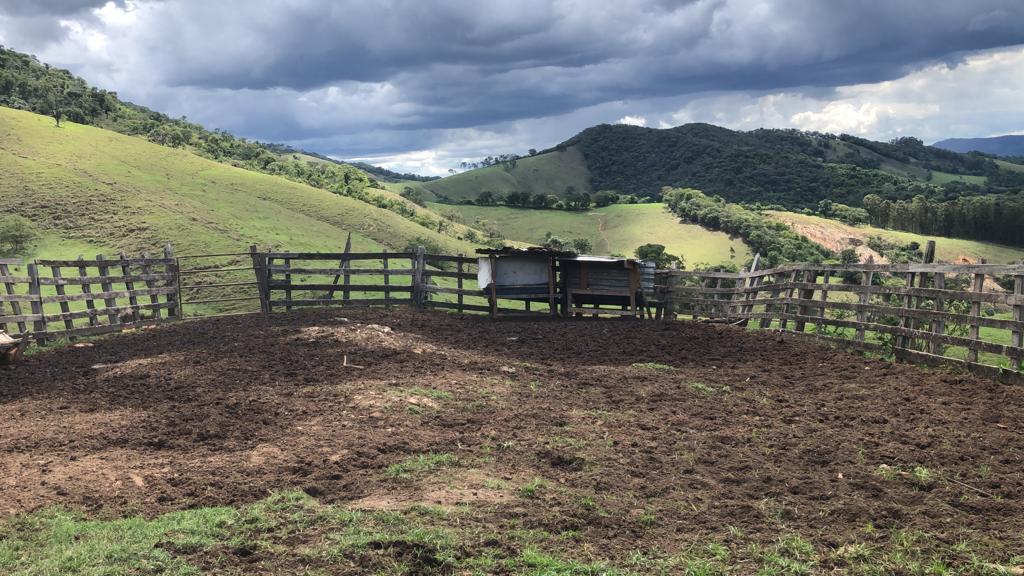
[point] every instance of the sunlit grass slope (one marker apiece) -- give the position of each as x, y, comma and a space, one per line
87, 187
616, 229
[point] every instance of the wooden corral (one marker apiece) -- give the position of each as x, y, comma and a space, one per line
972, 315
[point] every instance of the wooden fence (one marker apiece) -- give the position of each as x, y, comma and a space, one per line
972, 314
52, 299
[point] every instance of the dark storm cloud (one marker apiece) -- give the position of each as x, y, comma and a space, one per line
462, 63
332, 71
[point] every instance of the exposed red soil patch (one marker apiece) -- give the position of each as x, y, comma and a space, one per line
751, 430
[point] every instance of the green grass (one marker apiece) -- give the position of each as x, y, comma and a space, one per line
420, 465
616, 229
292, 533
946, 177
92, 190
946, 249
1010, 166
549, 173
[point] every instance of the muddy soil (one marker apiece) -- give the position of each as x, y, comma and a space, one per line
671, 432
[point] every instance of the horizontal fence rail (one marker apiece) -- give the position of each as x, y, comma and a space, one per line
930, 313
970, 314
50, 299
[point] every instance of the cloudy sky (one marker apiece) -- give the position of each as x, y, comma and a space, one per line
421, 85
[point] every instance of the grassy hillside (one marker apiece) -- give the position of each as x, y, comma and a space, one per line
617, 229
836, 235
96, 188
549, 173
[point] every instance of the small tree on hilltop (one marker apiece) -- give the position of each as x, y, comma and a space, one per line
656, 252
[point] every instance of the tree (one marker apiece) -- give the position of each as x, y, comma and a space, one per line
16, 235
485, 198
605, 198
582, 246
656, 252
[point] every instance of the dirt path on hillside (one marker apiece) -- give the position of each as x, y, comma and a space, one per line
600, 228
719, 428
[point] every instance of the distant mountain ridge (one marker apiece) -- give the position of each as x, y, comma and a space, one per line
1010, 145
788, 168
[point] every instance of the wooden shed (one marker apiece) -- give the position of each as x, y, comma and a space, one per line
525, 274
609, 285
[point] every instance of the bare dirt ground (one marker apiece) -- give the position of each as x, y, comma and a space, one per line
721, 428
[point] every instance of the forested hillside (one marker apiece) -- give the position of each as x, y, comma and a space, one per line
785, 167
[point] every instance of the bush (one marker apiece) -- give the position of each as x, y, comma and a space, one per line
16, 235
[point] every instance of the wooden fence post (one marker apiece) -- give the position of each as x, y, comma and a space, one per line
864, 299
133, 300
805, 294
268, 273
773, 307
418, 289
288, 284
749, 283
173, 267
107, 286
461, 268
387, 280
1018, 316
38, 326
259, 269
90, 304
65, 309
15, 306
820, 327
787, 307
147, 269
975, 330
938, 325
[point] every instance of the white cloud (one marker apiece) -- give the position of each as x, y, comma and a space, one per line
632, 120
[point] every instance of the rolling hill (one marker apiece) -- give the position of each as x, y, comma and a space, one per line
783, 167
91, 190
1011, 145
616, 229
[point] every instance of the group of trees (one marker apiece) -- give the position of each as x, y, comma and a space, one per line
508, 161
995, 217
571, 200
775, 241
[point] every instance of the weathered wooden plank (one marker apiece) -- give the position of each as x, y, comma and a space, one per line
335, 302
90, 304
106, 287
459, 278
117, 279
969, 343
108, 295
285, 285
977, 286
455, 306
447, 274
351, 271
109, 263
9, 288
69, 324
471, 292
39, 325
938, 322
153, 298
600, 311
1017, 337
97, 312
432, 258
336, 255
